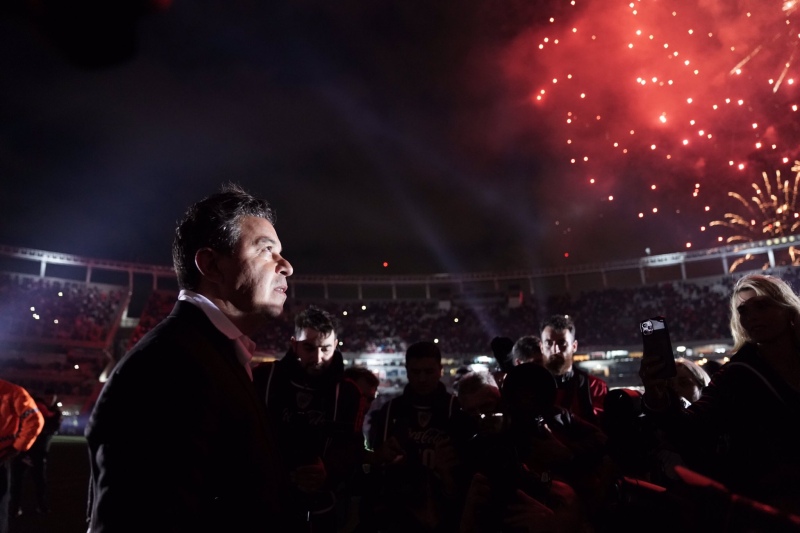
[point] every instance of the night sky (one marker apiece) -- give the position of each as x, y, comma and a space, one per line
436, 136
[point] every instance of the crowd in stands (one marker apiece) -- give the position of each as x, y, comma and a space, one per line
72, 375
60, 310
696, 310
158, 306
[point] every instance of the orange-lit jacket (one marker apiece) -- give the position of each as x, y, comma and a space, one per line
20, 419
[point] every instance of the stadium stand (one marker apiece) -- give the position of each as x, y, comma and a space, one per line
66, 334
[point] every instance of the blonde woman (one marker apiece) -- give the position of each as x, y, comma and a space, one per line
741, 431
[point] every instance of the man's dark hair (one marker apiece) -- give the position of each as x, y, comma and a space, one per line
423, 349
213, 222
559, 323
526, 349
314, 318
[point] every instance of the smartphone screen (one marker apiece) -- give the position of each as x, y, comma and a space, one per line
656, 343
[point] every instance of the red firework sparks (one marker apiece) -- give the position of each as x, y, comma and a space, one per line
665, 104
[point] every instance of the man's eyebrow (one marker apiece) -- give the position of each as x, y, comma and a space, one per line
264, 239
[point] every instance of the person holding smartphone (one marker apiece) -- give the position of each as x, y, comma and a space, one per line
741, 430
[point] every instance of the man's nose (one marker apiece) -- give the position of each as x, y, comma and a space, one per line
285, 267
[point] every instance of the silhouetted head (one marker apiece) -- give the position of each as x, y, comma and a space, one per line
529, 390
423, 367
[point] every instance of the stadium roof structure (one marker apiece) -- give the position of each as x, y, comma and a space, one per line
678, 266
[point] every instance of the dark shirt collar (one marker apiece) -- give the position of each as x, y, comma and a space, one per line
565, 378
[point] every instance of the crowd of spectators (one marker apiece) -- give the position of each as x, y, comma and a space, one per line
158, 306
73, 376
55, 333
694, 311
42, 308
61, 310
607, 319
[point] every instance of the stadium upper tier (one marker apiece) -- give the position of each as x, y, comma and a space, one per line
686, 265
91, 298
66, 320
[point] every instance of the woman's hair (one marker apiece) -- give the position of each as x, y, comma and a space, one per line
701, 377
772, 287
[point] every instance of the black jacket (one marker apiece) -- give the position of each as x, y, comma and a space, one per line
179, 441
742, 431
316, 417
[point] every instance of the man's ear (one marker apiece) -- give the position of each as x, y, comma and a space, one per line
207, 262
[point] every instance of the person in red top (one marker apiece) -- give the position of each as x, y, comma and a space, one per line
578, 391
20, 424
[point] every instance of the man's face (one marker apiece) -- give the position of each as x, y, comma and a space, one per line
254, 277
314, 350
684, 384
558, 347
423, 375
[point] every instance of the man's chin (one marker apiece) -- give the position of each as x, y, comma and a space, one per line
270, 310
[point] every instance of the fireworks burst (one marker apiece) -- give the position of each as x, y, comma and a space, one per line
770, 214
783, 42
655, 108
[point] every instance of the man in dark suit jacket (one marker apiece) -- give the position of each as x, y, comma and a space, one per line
178, 439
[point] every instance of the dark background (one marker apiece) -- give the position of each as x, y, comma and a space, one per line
68, 478
436, 136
